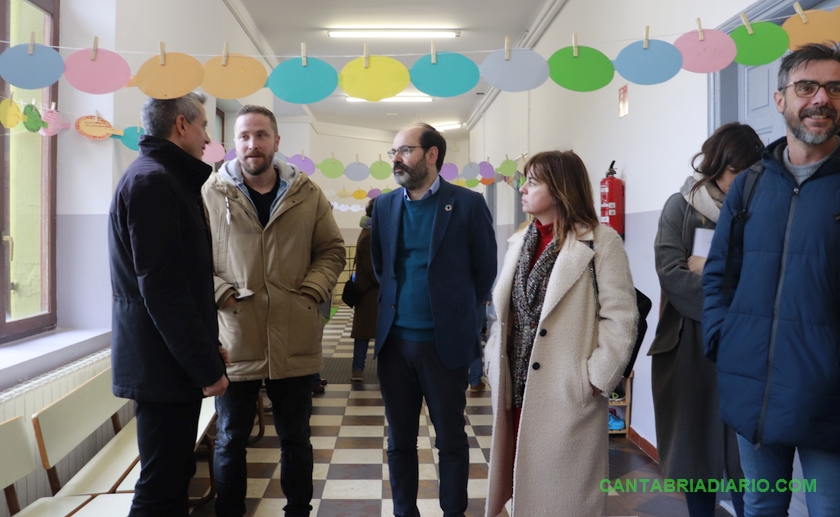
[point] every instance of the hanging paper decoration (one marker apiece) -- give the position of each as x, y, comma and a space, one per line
240, 76
96, 128
298, 84
767, 43
653, 65
449, 171
130, 137
452, 75
589, 71
822, 26
374, 193
230, 155
711, 54
359, 194
461, 182
357, 171
303, 163
507, 168
487, 181
331, 168
179, 75
32, 120
525, 70
54, 123
106, 72
472, 183
486, 170
386, 190
470, 170
380, 170
10, 115
215, 152
384, 77
344, 193
42, 68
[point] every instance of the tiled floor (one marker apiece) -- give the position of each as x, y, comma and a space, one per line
351, 473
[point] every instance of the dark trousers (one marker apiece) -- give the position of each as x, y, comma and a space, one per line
408, 372
291, 401
166, 439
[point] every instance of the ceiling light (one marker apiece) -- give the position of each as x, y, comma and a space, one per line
393, 33
401, 98
447, 125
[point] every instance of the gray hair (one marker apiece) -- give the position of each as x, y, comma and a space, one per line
829, 51
159, 114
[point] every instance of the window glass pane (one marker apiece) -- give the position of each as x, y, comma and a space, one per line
219, 130
26, 187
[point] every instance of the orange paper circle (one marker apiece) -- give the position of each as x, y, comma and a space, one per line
241, 77
487, 181
180, 75
822, 26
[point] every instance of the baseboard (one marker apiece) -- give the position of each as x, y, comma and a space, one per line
646, 447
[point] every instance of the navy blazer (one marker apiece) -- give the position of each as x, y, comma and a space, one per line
462, 267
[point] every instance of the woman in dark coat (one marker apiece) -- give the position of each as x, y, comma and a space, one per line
692, 441
364, 314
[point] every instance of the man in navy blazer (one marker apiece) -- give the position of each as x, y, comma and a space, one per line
433, 250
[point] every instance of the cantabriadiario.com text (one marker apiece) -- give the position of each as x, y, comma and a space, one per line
709, 485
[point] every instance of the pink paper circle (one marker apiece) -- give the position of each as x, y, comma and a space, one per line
215, 152
107, 73
714, 53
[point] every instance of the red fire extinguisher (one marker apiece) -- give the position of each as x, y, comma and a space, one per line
612, 201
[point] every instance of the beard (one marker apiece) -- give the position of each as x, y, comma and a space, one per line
411, 178
268, 162
798, 129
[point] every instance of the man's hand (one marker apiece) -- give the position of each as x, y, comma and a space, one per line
217, 389
225, 356
695, 264
230, 301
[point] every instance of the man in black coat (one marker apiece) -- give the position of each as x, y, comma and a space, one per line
165, 349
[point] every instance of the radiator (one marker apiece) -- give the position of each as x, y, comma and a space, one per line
27, 398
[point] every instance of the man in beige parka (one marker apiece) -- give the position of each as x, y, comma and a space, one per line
277, 253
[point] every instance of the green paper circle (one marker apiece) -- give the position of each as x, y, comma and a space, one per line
472, 183
590, 71
386, 190
507, 168
331, 168
380, 170
767, 43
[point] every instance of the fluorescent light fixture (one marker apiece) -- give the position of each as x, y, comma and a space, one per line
400, 98
447, 126
394, 33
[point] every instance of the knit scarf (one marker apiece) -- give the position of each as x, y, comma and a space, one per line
707, 199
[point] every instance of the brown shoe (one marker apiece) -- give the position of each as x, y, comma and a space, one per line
318, 390
478, 387
357, 376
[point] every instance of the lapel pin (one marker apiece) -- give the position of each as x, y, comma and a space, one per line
448, 208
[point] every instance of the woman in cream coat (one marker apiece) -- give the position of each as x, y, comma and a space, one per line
557, 347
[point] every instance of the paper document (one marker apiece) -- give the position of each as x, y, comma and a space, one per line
702, 242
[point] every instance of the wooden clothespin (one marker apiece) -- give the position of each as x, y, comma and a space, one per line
140, 125
32, 43
302, 154
380, 157
488, 159
162, 53
52, 106
700, 30
97, 116
225, 54
33, 101
367, 56
747, 24
434, 53
303, 54
647, 36
574, 44
357, 158
507, 48
94, 48
506, 157
332, 156
798, 7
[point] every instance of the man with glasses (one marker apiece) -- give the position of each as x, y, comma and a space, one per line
433, 250
776, 332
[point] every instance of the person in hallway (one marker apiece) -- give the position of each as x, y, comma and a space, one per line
566, 327
771, 316
433, 250
691, 440
277, 256
165, 350
364, 313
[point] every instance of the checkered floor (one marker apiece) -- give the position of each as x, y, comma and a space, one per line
351, 472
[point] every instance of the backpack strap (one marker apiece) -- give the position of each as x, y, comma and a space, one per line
753, 175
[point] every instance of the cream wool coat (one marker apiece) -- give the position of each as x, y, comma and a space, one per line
562, 451
274, 331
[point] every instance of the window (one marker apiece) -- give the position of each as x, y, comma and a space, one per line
219, 133
27, 204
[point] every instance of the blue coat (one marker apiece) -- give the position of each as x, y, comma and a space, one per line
777, 336
462, 267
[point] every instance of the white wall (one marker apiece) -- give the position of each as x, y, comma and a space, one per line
652, 145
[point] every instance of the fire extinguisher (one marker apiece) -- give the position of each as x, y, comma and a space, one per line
612, 201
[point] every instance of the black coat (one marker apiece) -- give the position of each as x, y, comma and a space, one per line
164, 345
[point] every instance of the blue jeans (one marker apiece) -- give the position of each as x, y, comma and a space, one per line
775, 462
360, 350
291, 401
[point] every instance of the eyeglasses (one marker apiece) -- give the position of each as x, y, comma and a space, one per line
403, 150
808, 89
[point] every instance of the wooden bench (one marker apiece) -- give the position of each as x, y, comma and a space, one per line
16, 463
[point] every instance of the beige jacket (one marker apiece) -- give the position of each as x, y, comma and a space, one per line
274, 331
562, 448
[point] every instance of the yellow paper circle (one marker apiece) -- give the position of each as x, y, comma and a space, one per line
384, 77
241, 77
822, 26
89, 127
360, 194
180, 75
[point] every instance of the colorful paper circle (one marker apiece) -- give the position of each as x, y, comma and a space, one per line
470, 170
303, 163
472, 183
40, 69
486, 170
241, 77
331, 168
357, 171
656, 64
487, 181
449, 171
33, 122
230, 155
89, 127
215, 152
714, 53
767, 43
180, 75
452, 75
590, 71
54, 123
374, 193
507, 168
822, 26
298, 84
384, 77
524, 71
106, 74
381, 170
130, 137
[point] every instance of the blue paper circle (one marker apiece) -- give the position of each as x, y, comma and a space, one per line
452, 75
470, 171
298, 84
656, 64
356, 171
131, 137
524, 71
31, 72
